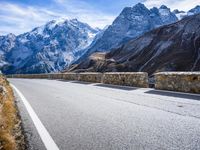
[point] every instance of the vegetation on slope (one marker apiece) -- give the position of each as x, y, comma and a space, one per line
10, 125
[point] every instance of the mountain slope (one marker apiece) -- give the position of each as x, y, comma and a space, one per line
54, 46
49, 48
131, 23
174, 47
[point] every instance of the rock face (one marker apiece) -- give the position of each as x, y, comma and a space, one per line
49, 48
178, 81
6, 44
194, 11
131, 23
174, 47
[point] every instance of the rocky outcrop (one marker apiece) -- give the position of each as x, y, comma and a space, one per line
131, 23
178, 81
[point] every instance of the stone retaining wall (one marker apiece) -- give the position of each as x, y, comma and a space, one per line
128, 78
139, 79
70, 76
55, 76
178, 81
90, 77
174, 81
36, 76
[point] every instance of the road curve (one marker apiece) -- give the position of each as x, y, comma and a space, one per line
83, 116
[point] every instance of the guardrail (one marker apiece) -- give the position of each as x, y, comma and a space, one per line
178, 81
137, 79
173, 81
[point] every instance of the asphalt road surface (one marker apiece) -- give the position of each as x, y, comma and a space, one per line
83, 116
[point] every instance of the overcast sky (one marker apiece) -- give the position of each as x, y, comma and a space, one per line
19, 16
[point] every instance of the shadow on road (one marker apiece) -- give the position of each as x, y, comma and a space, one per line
78, 82
63, 80
81, 82
178, 95
116, 87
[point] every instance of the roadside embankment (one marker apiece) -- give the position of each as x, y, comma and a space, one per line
11, 137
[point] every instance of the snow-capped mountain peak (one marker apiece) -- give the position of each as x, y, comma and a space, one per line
164, 10
131, 23
193, 11
140, 8
11, 36
163, 7
55, 45
50, 47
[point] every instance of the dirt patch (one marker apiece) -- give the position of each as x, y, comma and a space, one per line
11, 137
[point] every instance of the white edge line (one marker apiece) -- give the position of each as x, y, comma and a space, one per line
44, 134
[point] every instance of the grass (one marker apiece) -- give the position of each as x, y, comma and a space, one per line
11, 137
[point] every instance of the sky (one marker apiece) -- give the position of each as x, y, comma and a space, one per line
19, 16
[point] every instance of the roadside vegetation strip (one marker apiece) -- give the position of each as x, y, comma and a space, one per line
11, 137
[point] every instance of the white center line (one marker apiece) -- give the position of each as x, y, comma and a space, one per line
44, 134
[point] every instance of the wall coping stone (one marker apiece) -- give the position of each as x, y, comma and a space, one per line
178, 73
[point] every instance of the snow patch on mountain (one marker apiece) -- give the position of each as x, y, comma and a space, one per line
49, 48
55, 45
131, 23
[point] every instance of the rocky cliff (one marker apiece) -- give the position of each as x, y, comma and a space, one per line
174, 47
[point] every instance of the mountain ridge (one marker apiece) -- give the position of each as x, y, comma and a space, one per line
132, 22
173, 47
56, 45
48, 48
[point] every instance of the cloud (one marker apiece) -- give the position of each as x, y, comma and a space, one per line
173, 4
17, 19
83, 11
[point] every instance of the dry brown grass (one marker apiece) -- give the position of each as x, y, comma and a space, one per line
10, 126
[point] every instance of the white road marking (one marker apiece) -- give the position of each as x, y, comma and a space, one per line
45, 136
